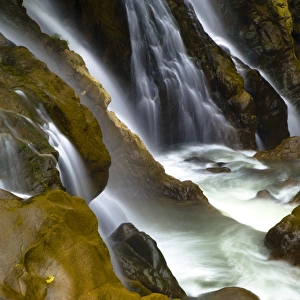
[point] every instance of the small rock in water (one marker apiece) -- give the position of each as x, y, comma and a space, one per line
218, 170
198, 159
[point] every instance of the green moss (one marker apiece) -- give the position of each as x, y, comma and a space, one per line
57, 43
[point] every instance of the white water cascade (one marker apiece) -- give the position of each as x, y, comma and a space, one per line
73, 173
213, 26
207, 252
159, 61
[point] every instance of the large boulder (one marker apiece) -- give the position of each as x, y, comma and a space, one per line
36, 264
288, 150
284, 238
141, 265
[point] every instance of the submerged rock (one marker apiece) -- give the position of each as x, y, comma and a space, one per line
142, 267
218, 170
284, 238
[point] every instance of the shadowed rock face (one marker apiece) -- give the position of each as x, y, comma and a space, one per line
142, 265
294, 9
263, 32
270, 108
284, 238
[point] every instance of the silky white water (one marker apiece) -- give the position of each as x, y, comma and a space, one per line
206, 251
47, 17
73, 172
160, 62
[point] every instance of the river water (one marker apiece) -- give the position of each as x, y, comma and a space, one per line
205, 250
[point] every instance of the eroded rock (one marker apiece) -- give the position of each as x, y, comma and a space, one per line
289, 149
263, 32
21, 71
142, 265
284, 238
36, 264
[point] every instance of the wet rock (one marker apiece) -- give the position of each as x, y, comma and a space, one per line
134, 171
226, 85
265, 194
289, 149
8, 195
284, 238
218, 170
289, 183
293, 8
36, 264
40, 85
270, 108
263, 32
296, 198
229, 293
106, 29
141, 261
25, 171
198, 159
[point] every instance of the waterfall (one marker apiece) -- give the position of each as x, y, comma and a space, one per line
213, 26
204, 252
74, 175
47, 17
171, 94
11, 167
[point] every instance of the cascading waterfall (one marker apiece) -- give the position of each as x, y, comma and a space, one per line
73, 172
11, 165
74, 175
214, 251
213, 26
167, 80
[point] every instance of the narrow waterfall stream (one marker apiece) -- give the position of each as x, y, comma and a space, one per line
204, 252
213, 26
72, 170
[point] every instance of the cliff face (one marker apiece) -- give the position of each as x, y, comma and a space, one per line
266, 32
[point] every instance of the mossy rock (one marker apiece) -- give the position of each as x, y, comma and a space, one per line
20, 69
284, 238
50, 248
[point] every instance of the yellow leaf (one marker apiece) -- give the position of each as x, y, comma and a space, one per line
49, 279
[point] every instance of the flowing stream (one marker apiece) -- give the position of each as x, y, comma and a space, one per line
205, 251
